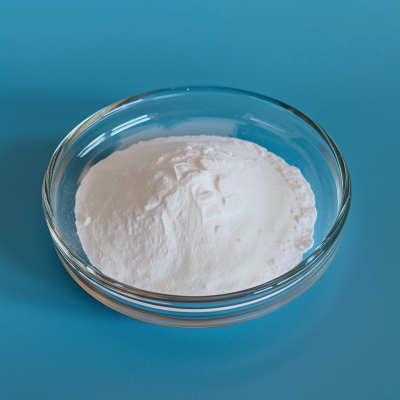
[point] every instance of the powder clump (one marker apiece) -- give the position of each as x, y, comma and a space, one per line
194, 215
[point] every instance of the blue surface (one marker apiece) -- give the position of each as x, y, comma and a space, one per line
337, 61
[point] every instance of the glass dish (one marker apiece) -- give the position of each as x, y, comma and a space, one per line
193, 111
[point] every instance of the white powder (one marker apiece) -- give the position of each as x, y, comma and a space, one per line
194, 215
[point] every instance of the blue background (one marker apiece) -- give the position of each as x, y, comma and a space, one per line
337, 61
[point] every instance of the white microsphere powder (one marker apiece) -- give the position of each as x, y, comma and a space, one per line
194, 215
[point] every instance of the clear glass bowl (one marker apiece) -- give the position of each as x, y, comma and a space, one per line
198, 111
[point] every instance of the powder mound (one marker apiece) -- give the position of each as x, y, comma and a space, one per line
194, 215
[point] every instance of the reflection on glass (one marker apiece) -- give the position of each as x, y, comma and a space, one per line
129, 124
92, 145
265, 123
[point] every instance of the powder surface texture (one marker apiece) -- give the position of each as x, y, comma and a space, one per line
194, 215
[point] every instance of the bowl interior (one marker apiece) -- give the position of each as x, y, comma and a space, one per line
199, 111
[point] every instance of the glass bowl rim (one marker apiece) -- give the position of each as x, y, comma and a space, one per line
283, 281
